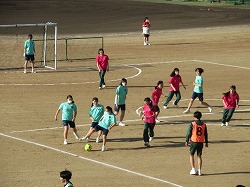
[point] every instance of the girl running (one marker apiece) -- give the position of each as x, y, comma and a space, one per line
230, 101
198, 91
174, 88
155, 96
106, 123
149, 116
69, 112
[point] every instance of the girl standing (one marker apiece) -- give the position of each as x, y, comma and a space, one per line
106, 123
198, 91
149, 116
230, 101
145, 30
120, 98
69, 112
174, 88
102, 61
155, 96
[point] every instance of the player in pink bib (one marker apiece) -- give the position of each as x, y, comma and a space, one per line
155, 96
174, 88
149, 113
102, 62
230, 102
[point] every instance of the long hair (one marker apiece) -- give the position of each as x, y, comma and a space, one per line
147, 99
200, 70
94, 99
158, 83
233, 87
109, 108
123, 80
173, 72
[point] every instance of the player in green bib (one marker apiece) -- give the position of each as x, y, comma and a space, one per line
96, 111
29, 53
120, 98
69, 112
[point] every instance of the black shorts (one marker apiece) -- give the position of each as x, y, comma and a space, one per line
122, 107
104, 131
93, 124
196, 147
146, 35
29, 57
70, 123
199, 95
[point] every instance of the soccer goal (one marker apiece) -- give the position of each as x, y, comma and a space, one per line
12, 38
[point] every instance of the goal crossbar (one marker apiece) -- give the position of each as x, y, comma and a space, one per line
45, 25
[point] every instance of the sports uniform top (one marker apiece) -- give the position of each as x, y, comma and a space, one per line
121, 92
198, 80
108, 119
96, 112
102, 62
231, 100
67, 110
149, 113
197, 132
175, 81
29, 46
68, 184
145, 27
156, 94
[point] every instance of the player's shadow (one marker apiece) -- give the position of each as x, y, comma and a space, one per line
153, 146
138, 139
228, 173
228, 141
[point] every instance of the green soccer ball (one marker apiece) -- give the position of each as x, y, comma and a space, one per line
87, 147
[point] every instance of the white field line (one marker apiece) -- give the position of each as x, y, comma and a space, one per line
91, 160
130, 121
128, 65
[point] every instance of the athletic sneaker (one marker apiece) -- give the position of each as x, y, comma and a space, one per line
97, 140
121, 124
157, 121
103, 148
193, 172
151, 139
227, 123
65, 142
103, 86
146, 144
148, 43
100, 88
145, 43
199, 172
84, 139
175, 105
210, 109
223, 124
186, 111
33, 71
24, 71
165, 107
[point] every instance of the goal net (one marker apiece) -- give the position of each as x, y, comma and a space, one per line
12, 38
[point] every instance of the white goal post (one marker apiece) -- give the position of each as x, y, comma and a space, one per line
12, 38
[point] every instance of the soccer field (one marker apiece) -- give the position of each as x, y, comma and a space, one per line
32, 142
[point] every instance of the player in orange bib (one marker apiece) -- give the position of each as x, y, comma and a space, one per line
196, 135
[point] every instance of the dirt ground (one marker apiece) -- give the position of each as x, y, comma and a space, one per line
182, 36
